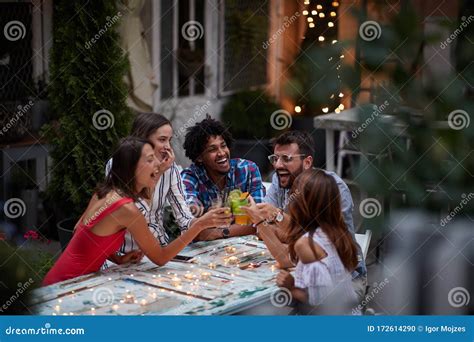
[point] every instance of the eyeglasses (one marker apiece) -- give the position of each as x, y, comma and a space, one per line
285, 158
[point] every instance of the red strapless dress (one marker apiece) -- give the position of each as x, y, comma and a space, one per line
86, 252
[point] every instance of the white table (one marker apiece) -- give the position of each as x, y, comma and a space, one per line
347, 120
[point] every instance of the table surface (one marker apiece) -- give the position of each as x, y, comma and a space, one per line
208, 284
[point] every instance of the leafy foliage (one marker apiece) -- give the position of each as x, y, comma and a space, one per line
248, 114
86, 76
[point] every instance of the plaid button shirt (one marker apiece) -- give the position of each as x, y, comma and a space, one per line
243, 175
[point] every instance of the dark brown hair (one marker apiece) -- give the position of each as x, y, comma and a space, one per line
317, 203
122, 174
303, 139
145, 124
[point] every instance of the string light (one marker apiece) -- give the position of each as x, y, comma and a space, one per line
321, 15
341, 106
333, 14
334, 41
310, 20
337, 110
330, 24
321, 38
341, 95
314, 12
305, 12
319, 7
311, 25
325, 109
297, 109
306, 2
334, 3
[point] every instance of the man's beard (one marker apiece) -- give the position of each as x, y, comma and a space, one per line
292, 177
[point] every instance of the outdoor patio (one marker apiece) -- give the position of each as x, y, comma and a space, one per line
384, 88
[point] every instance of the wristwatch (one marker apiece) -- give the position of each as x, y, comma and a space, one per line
225, 233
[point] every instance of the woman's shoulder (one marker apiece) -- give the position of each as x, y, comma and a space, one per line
308, 250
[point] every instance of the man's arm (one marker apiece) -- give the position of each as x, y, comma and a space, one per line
176, 197
272, 194
256, 189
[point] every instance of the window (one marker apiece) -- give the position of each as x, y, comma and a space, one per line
244, 30
182, 48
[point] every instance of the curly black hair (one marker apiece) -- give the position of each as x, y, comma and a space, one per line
198, 135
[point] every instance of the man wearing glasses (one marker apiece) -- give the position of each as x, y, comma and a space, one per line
292, 154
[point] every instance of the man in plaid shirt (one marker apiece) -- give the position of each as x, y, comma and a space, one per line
207, 144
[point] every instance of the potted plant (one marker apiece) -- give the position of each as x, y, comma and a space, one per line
88, 102
248, 114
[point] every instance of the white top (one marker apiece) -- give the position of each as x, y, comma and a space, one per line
168, 190
327, 281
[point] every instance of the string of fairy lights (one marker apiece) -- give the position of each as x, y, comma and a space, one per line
321, 18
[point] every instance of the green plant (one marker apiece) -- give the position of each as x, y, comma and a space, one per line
18, 279
436, 171
248, 114
87, 68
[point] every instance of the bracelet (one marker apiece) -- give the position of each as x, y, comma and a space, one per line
255, 225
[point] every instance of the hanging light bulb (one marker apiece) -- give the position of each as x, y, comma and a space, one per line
311, 25
335, 4
333, 14
297, 109
334, 41
321, 38
321, 15
337, 110
341, 106
319, 7
310, 20
305, 12
330, 24
306, 2
341, 95
325, 109
314, 12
